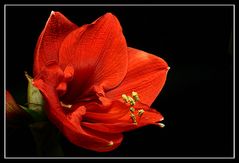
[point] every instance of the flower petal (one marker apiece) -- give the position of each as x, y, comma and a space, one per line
98, 53
106, 114
89, 138
48, 44
51, 75
93, 140
146, 75
149, 117
69, 124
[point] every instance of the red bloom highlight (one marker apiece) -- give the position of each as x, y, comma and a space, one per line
83, 72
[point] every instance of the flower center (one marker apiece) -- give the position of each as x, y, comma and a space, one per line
132, 101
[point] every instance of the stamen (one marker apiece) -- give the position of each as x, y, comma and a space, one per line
131, 109
131, 101
133, 118
135, 96
66, 106
125, 98
140, 112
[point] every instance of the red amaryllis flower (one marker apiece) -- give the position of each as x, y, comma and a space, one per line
95, 86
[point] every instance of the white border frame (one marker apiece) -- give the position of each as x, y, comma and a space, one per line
188, 5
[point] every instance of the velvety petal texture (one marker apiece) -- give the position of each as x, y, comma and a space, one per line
98, 53
146, 75
48, 45
82, 73
149, 117
70, 124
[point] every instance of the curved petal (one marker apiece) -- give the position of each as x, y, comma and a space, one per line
146, 75
69, 124
98, 53
54, 76
90, 138
105, 114
149, 117
51, 74
48, 44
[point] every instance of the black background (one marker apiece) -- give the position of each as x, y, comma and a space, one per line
196, 101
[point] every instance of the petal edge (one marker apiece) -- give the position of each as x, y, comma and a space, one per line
146, 75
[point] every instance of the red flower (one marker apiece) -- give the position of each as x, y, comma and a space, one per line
83, 73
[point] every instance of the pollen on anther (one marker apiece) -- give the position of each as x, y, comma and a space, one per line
131, 109
140, 112
135, 96
125, 98
133, 118
131, 101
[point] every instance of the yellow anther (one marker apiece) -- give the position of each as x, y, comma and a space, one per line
135, 123
140, 112
131, 101
125, 98
131, 109
135, 96
66, 106
133, 118
161, 125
